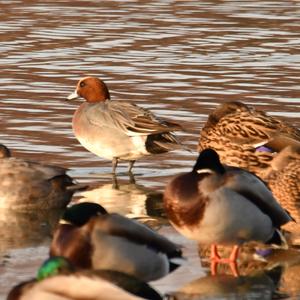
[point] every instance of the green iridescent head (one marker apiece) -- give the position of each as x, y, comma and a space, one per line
54, 266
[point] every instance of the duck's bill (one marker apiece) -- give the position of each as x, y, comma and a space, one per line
72, 96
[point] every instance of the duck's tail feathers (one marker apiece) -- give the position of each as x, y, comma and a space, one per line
176, 262
278, 240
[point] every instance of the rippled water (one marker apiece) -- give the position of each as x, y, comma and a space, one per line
177, 58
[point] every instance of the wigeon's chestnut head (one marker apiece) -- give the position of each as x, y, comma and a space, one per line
92, 89
221, 205
90, 237
118, 130
31, 185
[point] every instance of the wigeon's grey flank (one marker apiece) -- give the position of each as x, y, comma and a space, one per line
216, 204
90, 237
118, 130
30, 185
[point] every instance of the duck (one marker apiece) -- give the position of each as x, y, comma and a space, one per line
58, 279
27, 185
249, 138
246, 137
118, 130
215, 204
282, 177
92, 238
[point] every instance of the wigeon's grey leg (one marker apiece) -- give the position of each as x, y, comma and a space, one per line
131, 163
114, 164
131, 178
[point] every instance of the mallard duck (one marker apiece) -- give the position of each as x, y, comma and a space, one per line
90, 237
282, 177
118, 130
57, 279
221, 205
32, 185
246, 137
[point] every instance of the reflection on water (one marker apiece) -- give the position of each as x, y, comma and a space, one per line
21, 229
125, 197
256, 285
177, 58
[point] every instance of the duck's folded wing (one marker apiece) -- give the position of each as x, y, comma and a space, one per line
256, 191
257, 129
118, 225
130, 118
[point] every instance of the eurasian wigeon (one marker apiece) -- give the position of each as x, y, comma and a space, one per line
118, 130
58, 279
90, 237
220, 205
32, 185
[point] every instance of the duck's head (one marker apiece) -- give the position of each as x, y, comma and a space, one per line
208, 161
79, 214
54, 266
4, 151
92, 89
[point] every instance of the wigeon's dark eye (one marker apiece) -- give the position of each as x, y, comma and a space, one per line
82, 84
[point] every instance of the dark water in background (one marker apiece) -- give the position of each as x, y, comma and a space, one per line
177, 58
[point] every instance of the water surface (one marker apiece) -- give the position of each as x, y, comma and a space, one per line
179, 59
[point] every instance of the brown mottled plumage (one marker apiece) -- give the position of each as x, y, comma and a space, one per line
236, 131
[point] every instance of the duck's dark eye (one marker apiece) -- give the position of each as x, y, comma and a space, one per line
82, 84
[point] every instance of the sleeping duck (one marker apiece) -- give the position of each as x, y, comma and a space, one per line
219, 205
90, 237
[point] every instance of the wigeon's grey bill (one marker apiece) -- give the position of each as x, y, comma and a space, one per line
73, 96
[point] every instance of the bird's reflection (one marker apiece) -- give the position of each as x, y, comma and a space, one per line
259, 284
20, 229
127, 198
274, 275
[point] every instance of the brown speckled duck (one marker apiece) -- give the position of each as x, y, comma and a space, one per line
246, 137
32, 185
219, 205
90, 237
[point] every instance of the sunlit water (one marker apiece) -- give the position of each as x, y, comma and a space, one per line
177, 58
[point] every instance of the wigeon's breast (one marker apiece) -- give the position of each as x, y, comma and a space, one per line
102, 137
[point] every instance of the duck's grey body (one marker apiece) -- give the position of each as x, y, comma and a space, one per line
112, 241
220, 205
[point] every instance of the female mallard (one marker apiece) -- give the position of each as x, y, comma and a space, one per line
215, 204
92, 238
246, 137
32, 185
57, 279
118, 130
